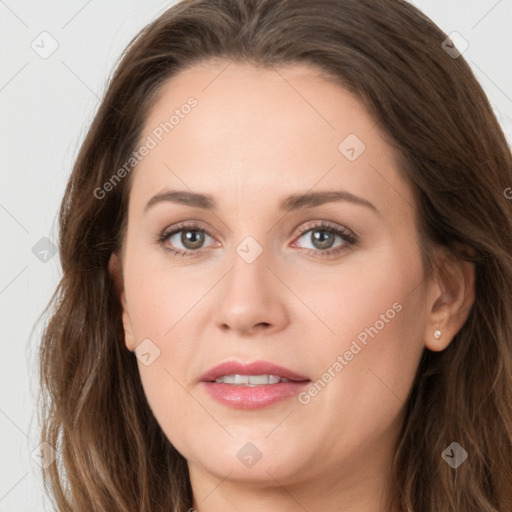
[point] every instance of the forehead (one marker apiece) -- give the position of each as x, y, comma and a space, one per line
296, 99
280, 130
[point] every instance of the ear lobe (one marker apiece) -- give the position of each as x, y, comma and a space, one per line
450, 303
114, 268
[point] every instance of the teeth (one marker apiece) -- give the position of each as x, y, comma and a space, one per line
250, 380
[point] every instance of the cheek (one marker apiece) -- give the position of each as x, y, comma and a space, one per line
371, 312
178, 414
163, 302
373, 289
159, 294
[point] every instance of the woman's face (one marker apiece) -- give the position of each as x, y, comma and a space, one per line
295, 246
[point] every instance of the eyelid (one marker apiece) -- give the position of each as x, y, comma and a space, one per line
324, 224
191, 225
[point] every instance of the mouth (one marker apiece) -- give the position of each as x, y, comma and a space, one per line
252, 385
250, 380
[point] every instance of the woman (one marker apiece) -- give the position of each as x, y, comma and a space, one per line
287, 263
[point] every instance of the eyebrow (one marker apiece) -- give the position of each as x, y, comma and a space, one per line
289, 204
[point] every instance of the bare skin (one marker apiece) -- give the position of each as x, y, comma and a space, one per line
255, 137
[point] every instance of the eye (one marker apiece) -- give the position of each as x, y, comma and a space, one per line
189, 239
184, 240
322, 237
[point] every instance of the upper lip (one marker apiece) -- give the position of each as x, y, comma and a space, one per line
254, 368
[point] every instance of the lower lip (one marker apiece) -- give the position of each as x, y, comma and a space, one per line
253, 397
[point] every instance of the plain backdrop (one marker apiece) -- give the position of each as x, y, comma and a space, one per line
56, 58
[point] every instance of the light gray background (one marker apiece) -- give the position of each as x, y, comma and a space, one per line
46, 107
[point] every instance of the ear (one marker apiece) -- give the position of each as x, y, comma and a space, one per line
450, 298
115, 270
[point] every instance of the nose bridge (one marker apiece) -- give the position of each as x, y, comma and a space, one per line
248, 274
249, 298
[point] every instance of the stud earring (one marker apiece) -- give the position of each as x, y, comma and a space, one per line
437, 334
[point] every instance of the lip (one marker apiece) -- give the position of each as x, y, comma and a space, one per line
257, 397
254, 368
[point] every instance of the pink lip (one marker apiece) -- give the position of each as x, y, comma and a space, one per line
255, 368
245, 397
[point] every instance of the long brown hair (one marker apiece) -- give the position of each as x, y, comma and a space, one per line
113, 456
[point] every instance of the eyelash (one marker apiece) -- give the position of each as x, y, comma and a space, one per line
347, 236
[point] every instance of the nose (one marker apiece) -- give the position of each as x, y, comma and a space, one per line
251, 298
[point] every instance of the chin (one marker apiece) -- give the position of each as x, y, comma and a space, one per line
255, 459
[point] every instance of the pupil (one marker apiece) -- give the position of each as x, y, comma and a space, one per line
323, 238
192, 239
